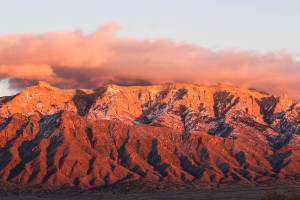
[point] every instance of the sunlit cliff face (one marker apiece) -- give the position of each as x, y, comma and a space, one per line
70, 59
147, 137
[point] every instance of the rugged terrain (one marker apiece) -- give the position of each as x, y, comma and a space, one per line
157, 136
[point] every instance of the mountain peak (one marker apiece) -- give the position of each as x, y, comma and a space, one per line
45, 85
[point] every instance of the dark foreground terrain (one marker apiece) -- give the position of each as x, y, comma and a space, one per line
246, 193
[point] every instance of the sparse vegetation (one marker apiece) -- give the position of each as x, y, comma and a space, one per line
276, 195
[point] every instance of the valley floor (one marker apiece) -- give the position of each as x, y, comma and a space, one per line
249, 193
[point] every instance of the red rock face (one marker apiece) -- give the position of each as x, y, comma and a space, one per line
178, 133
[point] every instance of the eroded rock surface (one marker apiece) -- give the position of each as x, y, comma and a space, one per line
179, 133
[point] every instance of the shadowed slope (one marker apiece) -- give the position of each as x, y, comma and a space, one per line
178, 133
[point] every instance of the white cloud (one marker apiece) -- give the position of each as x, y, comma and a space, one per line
4, 88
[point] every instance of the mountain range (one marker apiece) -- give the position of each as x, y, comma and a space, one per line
159, 136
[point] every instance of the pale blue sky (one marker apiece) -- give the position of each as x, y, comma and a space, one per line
263, 25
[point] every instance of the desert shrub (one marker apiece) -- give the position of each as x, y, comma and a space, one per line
275, 195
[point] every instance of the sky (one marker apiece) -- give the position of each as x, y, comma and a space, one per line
91, 43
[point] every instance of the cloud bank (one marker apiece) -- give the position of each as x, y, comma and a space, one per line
71, 59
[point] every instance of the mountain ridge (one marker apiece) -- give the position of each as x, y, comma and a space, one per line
180, 133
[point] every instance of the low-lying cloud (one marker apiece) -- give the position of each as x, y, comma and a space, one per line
71, 59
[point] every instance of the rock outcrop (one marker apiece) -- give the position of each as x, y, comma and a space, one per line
179, 133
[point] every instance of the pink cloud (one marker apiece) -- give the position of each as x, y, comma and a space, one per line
72, 59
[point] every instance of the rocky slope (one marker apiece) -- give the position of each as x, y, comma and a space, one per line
177, 133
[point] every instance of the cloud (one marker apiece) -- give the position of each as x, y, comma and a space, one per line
4, 88
71, 59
